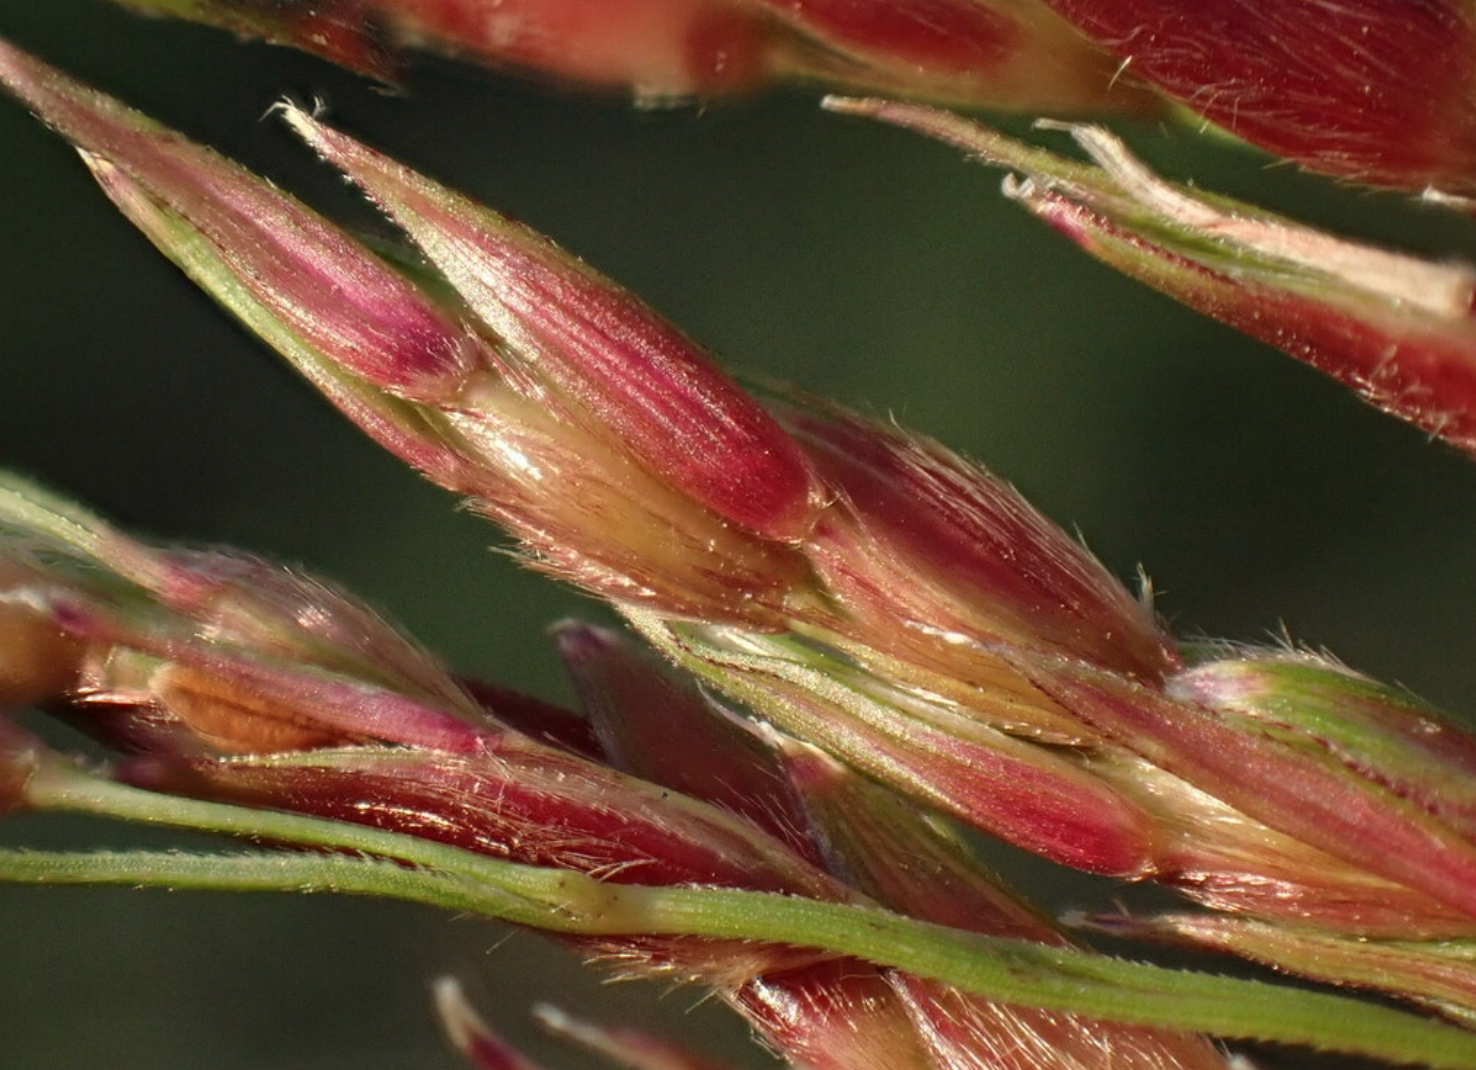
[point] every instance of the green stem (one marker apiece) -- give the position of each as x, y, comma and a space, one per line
252, 871
1011, 971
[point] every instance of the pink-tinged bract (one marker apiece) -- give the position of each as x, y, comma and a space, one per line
1375, 90
1380, 733
624, 459
904, 857
1299, 791
936, 754
991, 53
925, 539
659, 50
654, 394
986, 53
657, 724
912, 862
840, 1015
336, 30
515, 800
1398, 330
324, 285
1418, 367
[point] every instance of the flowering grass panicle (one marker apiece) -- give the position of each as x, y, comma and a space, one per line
867, 648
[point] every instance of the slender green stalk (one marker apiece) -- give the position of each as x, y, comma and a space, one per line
1010, 971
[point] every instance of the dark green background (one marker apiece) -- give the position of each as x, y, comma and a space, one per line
856, 261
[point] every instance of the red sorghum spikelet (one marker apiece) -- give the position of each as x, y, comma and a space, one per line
1398, 330
998, 53
1374, 90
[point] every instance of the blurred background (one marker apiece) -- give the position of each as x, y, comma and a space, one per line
853, 260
